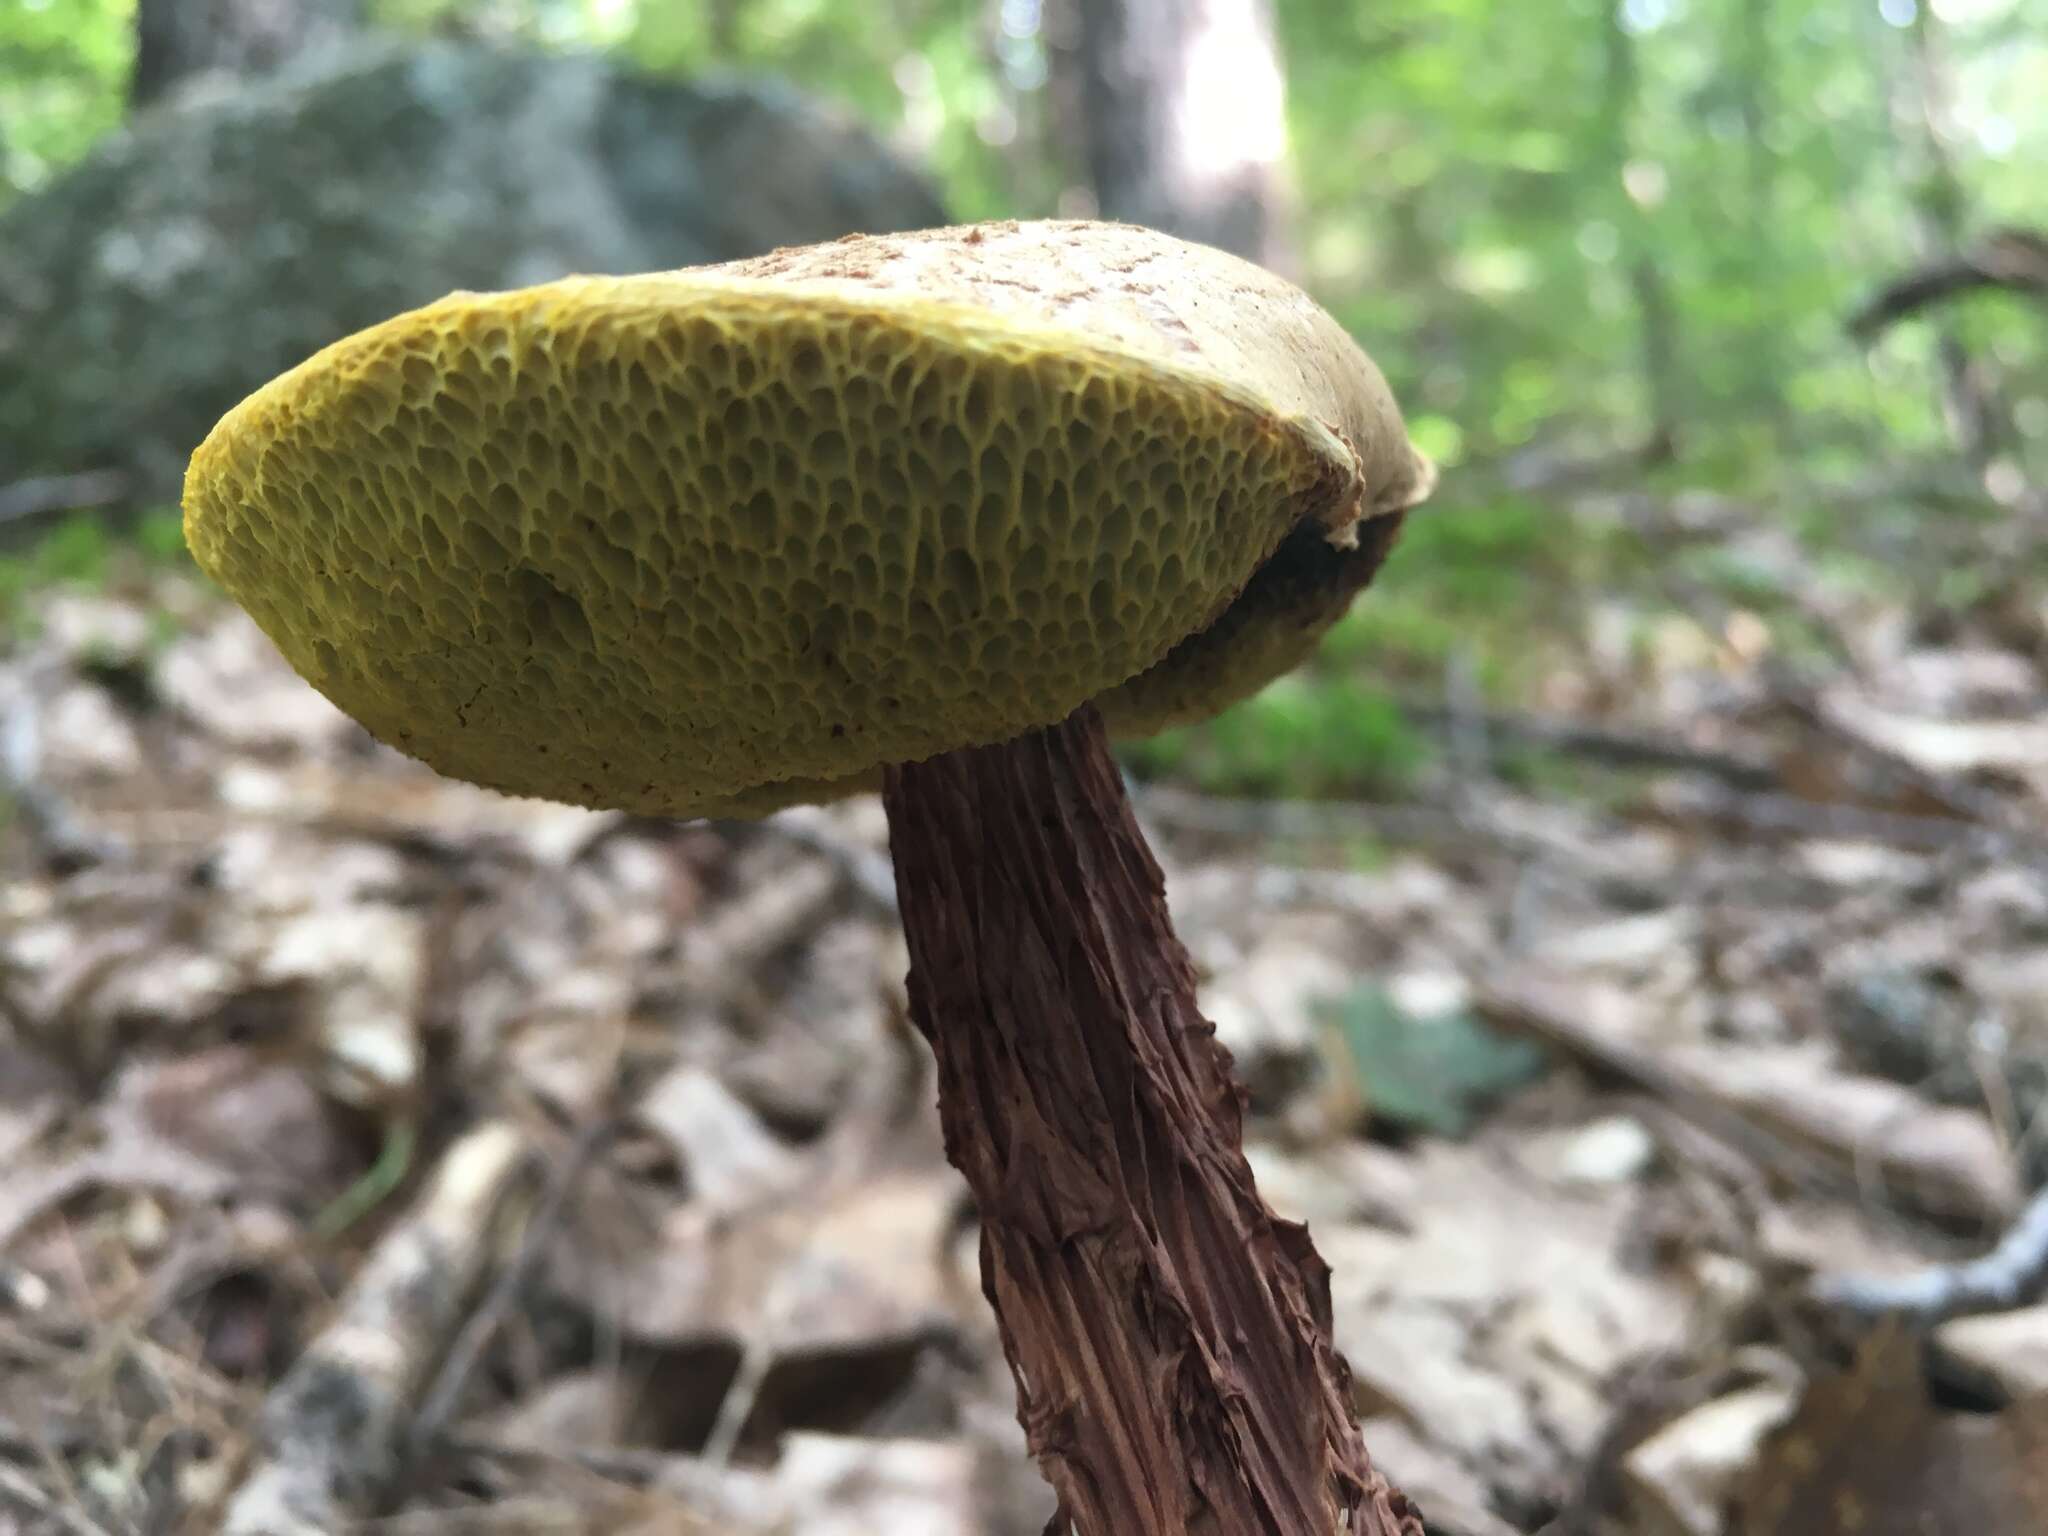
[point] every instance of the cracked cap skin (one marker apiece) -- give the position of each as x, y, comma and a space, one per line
716, 541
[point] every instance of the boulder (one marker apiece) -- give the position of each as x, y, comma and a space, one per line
228, 233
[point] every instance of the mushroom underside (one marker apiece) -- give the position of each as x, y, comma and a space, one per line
1271, 626
717, 558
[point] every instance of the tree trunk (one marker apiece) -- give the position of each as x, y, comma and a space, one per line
1180, 108
176, 39
1757, 99
1973, 400
1169, 1335
1656, 317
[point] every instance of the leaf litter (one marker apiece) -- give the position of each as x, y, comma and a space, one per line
382, 1152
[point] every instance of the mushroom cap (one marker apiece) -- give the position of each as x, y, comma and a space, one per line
719, 540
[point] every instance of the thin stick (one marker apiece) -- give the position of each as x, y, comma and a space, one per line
2011, 1275
738, 1406
14, 1485
437, 1407
333, 1429
43, 494
1619, 746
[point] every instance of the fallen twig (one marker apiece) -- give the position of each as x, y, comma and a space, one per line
1619, 746
1562, 1022
2013, 1274
43, 494
866, 869
333, 1429
437, 1408
1828, 1130
18, 1489
1952, 794
1773, 815
741, 1397
1323, 822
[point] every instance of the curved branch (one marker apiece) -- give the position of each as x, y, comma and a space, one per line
2012, 259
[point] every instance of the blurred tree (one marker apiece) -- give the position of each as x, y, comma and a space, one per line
175, 39
1181, 116
63, 69
1560, 228
1972, 399
1627, 206
2014, 259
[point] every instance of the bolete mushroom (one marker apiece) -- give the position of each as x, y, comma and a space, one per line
933, 512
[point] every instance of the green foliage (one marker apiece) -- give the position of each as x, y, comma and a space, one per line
75, 553
82, 551
1306, 734
1553, 224
63, 75
160, 536
1494, 582
926, 73
1564, 230
1491, 582
1501, 199
1431, 1072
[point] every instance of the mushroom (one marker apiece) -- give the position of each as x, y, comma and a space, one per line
937, 513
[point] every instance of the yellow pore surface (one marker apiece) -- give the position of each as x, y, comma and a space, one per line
700, 542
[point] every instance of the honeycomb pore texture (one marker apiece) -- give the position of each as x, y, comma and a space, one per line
695, 543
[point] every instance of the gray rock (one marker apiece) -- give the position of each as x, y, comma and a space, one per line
223, 237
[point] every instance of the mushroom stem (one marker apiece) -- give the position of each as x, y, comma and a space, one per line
1170, 1336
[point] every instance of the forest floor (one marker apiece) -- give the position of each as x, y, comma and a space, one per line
504, 1167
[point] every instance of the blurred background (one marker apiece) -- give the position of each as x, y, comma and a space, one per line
1632, 925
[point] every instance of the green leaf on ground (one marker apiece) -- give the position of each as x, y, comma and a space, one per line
1430, 1072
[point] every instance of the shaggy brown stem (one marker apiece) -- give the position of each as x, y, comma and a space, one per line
1169, 1335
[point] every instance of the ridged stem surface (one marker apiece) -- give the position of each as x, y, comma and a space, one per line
1169, 1335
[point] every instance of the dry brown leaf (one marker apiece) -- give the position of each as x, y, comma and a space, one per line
1960, 680
1949, 1163
1681, 1478
1498, 1320
1938, 746
254, 1117
360, 969
726, 1156
200, 1127
836, 1035
87, 739
229, 681
1436, 1481
1866, 1454
837, 1269
389, 799
2002, 1354
1639, 942
828, 1485
586, 1409
1260, 1004
83, 627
